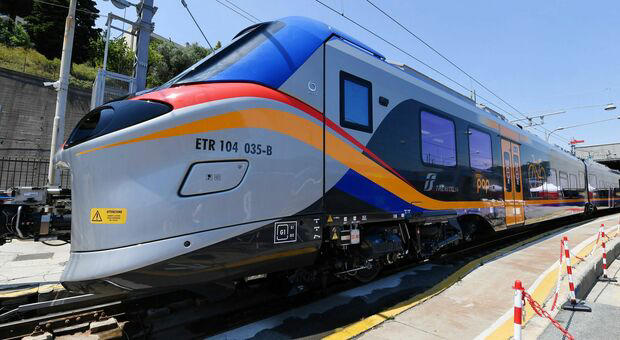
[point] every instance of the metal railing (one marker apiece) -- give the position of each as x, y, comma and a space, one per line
27, 172
110, 85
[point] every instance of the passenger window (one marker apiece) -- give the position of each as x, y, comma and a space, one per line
507, 171
552, 185
580, 180
563, 180
438, 140
515, 162
592, 182
355, 102
573, 181
480, 153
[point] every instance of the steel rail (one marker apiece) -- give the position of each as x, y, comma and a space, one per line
165, 317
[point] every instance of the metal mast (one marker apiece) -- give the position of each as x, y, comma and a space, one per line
145, 13
62, 87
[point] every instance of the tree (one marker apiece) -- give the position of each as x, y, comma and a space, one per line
13, 35
120, 57
166, 59
46, 27
15, 8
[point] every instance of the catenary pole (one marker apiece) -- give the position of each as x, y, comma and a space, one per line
146, 12
62, 88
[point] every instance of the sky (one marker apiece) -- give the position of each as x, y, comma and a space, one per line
538, 56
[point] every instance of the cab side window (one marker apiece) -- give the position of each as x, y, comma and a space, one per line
355, 102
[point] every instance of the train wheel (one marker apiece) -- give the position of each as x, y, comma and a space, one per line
373, 268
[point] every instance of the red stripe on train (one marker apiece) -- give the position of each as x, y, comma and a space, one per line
188, 95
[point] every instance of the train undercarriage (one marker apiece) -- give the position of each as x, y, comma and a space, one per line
349, 251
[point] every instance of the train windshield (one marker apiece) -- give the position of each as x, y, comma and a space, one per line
267, 54
228, 63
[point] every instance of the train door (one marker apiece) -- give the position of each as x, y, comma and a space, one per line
351, 84
513, 191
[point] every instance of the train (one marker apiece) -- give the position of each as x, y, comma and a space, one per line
295, 151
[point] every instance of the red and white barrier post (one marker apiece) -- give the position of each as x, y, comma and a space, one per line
572, 304
598, 237
518, 309
605, 278
521, 296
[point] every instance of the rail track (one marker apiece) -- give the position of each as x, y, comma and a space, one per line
188, 314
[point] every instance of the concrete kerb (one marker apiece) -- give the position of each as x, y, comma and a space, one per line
586, 278
542, 290
594, 269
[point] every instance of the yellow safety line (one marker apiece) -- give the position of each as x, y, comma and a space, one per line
540, 293
34, 290
547, 285
374, 320
364, 325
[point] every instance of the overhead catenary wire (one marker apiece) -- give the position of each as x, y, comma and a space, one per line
444, 57
248, 16
195, 22
472, 78
244, 11
67, 7
410, 55
436, 70
234, 10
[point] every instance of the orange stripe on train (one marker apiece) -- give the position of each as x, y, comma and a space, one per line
310, 133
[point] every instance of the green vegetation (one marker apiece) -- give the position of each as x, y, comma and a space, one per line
32, 62
14, 8
13, 35
45, 25
165, 61
35, 47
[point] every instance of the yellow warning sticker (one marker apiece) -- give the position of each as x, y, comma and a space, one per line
108, 215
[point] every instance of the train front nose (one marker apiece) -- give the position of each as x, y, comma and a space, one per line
148, 185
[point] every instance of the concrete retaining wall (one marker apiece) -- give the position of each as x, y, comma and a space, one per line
27, 114
594, 269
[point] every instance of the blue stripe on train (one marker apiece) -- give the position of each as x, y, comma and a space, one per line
363, 189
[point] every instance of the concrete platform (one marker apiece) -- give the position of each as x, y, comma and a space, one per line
480, 305
26, 265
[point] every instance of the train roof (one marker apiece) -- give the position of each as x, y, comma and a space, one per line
267, 53
285, 44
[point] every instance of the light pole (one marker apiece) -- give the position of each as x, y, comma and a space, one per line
58, 128
540, 116
547, 135
530, 119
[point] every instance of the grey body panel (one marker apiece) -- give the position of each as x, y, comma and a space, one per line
306, 84
147, 185
84, 266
